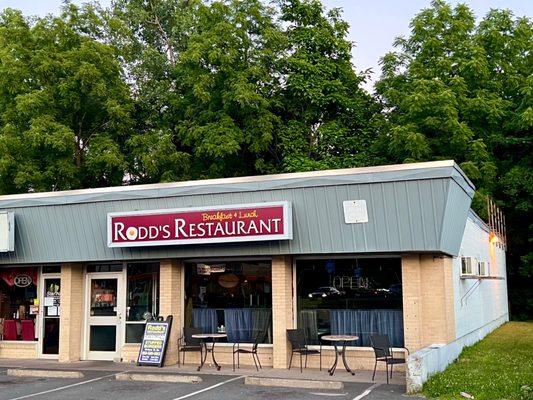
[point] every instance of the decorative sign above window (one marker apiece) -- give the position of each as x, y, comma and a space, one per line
355, 211
7, 232
231, 223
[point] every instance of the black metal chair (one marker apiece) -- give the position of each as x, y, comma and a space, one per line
257, 338
383, 353
299, 345
187, 343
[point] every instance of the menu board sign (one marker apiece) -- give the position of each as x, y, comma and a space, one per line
215, 224
154, 343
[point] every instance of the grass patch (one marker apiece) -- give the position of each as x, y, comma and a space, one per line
499, 367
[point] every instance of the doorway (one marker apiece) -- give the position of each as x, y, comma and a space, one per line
50, 315
105, 304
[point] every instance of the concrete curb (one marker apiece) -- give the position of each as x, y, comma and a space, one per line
41, 373
159, 378
294, 383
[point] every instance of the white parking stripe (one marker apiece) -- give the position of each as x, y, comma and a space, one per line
67, 386
209, 388
367, 391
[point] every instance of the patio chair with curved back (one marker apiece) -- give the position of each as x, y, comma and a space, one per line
258, 337
383, 353
299, 345
189, 343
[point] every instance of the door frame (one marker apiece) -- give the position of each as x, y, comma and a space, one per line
40, 325
121, 315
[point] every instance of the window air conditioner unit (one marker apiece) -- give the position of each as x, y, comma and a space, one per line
468, 265
483, 267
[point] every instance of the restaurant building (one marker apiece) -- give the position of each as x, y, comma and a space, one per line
390, 249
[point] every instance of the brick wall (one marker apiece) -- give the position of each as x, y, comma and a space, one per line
70, 328
170, 303
428, 300
18, 349
282, 309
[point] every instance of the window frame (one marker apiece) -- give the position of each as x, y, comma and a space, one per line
207, 260
155, 296
306, 257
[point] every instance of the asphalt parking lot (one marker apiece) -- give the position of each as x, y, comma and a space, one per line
97, 385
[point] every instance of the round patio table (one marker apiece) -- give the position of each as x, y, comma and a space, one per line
335, 339
203, 355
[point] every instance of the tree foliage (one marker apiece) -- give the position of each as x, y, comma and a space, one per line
460, 90
327, 118
64, 108
238, 87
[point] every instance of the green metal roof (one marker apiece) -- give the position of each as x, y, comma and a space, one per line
419, 207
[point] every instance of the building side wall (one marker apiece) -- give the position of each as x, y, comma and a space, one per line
479, 302
479, 306
427, 300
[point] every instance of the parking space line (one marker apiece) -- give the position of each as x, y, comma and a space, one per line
207, 388
67, 386
367, 391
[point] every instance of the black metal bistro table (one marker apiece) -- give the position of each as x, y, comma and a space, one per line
342, 352
205, 349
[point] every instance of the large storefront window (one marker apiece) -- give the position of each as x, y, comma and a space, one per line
18, 309
233, 297
359, 296
143, 298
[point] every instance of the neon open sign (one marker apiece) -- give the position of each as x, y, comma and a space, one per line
231, 223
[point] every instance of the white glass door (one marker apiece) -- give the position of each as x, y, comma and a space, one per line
105, 309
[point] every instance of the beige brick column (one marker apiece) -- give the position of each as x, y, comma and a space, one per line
70, 325
428, 300
282, 309
412, 313
170, 303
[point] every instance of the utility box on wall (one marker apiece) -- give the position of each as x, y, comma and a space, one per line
7, 232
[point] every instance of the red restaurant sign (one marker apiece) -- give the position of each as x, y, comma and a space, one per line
233, 223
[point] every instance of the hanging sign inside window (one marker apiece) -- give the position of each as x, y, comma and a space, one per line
232, 223
154, 343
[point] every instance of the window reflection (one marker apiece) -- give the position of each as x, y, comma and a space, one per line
142, 298
233, 297
359, 296
18, 306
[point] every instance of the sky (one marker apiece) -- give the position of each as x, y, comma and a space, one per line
374, 24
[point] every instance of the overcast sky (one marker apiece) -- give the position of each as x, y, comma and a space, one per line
373, 23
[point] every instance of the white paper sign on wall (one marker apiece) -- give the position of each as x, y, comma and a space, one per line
7, 232
355, 211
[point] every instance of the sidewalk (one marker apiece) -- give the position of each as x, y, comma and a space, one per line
340, 375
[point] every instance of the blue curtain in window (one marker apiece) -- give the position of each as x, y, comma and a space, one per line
307, 320
364, 323
205, 318
239, 322
262, 324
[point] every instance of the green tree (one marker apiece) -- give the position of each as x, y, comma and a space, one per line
203, 75
460, 90
233, 87
328, 119
64, 108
